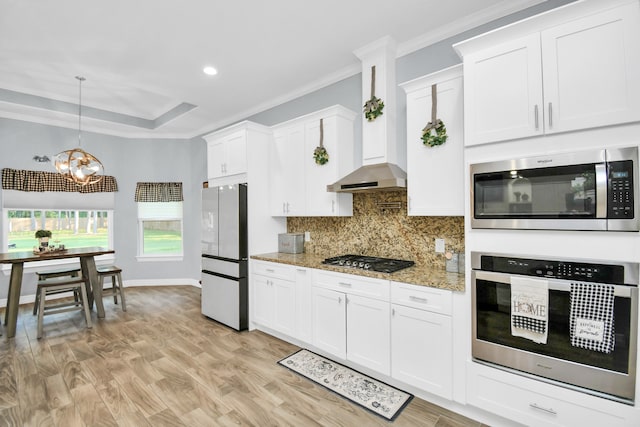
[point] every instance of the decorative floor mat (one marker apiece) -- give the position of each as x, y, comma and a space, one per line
378, 397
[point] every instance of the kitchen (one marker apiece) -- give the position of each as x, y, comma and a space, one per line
34, 139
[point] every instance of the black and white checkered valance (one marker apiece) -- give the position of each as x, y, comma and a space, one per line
26, 180
159, 192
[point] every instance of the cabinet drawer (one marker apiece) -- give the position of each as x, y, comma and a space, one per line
422, 297
274, 269
351, 284
514, 398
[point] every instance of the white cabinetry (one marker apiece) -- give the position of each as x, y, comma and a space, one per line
535, 403
435, 175
286, 171
421, 342
227, 152
351, 318
279, 291
574, 68
298, 184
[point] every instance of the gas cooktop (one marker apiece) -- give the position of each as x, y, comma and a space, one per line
382, 265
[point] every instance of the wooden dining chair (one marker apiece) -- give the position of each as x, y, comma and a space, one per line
44, 275
62, 284
115, 274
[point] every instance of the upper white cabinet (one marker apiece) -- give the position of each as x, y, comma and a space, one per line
572, 68
298, 183
227, 151
435, 175
227, 154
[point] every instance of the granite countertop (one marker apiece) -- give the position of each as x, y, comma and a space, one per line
435, 277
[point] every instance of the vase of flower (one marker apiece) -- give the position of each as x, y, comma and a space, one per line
43, 237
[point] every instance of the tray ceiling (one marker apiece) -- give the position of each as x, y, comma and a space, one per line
143, 59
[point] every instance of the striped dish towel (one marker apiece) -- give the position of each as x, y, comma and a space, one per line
591, 317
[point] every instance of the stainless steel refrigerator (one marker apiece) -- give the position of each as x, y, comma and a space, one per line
224, 255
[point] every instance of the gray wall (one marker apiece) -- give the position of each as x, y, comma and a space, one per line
130, 161
133, 160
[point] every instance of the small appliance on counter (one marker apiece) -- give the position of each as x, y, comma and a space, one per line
291, 243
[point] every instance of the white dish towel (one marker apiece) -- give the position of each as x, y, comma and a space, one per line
530, 309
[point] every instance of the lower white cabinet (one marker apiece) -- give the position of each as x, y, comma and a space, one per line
329, 321
280, 291
535, 403
421, 342
351, 318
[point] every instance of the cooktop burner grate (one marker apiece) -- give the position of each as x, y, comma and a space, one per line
382, 265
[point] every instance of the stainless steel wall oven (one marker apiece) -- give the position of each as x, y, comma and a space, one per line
607, 369
589, 190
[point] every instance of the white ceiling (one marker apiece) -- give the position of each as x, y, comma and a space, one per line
142, 58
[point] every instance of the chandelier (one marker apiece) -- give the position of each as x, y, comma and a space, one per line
76, 164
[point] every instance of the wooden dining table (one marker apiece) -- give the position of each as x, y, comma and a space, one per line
17, 260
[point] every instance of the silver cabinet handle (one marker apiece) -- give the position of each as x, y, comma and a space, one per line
333, 206
271, 270
393, 311
550, 115
339, 300
418, 299
345, 284
535, 115
287, 207
540, 408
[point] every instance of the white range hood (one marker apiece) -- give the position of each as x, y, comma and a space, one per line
382, 156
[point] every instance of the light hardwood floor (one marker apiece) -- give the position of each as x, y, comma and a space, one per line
162, 363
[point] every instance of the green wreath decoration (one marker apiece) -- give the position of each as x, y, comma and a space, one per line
373, 108
434, 134
320, 155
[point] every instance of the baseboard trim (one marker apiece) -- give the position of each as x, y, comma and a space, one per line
30, 299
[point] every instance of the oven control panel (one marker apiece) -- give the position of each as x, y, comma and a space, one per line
565, 270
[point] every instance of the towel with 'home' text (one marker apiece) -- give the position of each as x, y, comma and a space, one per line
530, 309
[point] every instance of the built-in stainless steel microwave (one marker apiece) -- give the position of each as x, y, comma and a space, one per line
586, 190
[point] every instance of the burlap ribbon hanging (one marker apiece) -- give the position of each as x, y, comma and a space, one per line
374, 106
435, 132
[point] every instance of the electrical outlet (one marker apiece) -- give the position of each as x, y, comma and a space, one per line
440, 246
307, 236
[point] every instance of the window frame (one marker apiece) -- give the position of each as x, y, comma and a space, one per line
156, 257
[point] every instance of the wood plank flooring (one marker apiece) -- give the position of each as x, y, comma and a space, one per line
162, 363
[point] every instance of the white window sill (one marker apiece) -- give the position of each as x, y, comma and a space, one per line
159, 258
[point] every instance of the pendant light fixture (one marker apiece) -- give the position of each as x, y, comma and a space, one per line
76, 164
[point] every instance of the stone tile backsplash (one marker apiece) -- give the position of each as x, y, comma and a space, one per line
381, 231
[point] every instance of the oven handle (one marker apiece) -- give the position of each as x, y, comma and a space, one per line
622, 291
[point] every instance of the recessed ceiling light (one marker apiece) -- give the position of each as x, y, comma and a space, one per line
210, 71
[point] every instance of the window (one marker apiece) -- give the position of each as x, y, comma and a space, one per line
159, 229
72, 228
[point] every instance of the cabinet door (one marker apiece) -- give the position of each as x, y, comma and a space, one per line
236, 153
368, 333
319, 202
442, 164
422, 349
503, 92
284, 307
215, 159
286, 171
262, 300
304, 316
329, 321
591, 70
